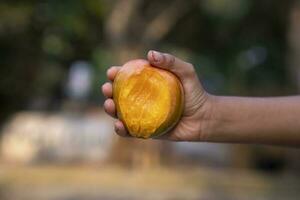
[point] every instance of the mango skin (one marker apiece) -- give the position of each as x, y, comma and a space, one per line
149, 101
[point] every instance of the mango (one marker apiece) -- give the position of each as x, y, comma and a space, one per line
149, 100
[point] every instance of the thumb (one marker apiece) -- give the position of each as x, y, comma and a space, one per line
182, 69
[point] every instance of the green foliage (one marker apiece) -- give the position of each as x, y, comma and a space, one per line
39, 41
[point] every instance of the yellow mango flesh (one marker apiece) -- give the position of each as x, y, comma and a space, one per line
149, 100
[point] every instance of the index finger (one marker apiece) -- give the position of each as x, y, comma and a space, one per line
112, 72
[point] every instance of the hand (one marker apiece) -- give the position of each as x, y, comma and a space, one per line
197, 101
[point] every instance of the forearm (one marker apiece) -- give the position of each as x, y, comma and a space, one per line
253, 120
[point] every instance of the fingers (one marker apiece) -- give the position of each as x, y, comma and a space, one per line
109, 107
107, 90
112, 72
120, 129
169, 62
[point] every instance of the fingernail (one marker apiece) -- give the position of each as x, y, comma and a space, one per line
157, 57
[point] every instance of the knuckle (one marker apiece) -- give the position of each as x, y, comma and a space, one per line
111, 69
163, 60
190, 67
190, 70
108, 72
170, 60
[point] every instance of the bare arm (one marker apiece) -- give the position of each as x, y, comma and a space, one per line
220, 119
253, 120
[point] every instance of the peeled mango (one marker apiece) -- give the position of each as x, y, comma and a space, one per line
149, 100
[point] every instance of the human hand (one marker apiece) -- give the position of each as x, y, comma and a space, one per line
197, 101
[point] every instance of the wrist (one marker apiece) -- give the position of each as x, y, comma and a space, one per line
207, 113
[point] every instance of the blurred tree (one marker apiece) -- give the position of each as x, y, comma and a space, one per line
38, 41
238, 46
42, 38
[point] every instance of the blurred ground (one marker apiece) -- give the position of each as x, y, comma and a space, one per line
53, 58
112, 182
70, 156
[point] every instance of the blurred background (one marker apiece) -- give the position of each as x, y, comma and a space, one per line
56, 141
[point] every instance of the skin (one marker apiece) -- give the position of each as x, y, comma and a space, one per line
213, 118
